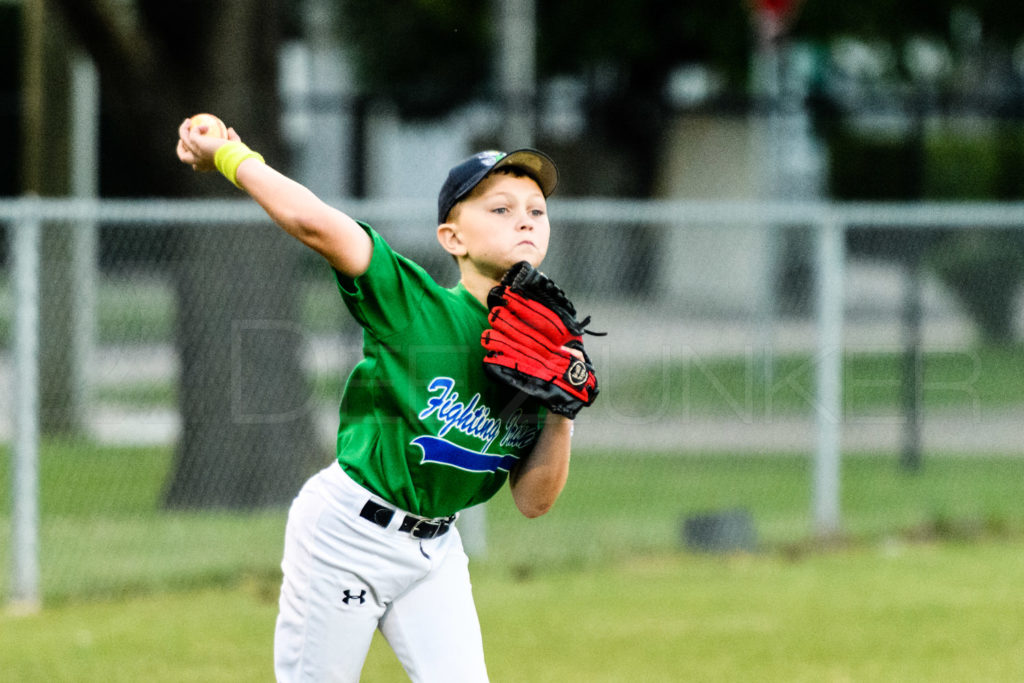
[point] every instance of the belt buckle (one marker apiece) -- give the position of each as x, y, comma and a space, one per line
424, 528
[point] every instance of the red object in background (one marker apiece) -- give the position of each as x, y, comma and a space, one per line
776, 7
773, 17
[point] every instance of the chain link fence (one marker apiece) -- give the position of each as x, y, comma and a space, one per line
749, 344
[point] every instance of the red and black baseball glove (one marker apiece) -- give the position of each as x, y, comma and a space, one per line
531, 340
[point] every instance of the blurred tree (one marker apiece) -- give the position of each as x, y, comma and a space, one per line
446, 51
896, 20
44, 172
10, 54
246, 439
973, 75
622, 51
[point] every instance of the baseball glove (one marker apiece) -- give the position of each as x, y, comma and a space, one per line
530, 343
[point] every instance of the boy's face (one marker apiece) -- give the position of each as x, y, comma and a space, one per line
504, 220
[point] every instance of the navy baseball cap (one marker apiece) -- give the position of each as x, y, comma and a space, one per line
468, 174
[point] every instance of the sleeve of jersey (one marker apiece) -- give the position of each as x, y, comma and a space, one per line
387, 296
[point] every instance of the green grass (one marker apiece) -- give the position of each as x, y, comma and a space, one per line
139, 394
986, 377
104, 533
891, 613
201, 635
902, 612
616, 507
923, 585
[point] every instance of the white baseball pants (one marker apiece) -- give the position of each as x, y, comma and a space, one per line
345, 576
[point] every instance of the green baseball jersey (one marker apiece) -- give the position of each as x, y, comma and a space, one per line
421, 424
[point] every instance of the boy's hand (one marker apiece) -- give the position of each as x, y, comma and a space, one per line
197, 150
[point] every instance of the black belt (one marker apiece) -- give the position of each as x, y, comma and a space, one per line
417, 527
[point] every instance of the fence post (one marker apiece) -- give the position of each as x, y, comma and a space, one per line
25, 248
828, 409
84, 233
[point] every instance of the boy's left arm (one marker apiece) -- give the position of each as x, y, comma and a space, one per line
539, 479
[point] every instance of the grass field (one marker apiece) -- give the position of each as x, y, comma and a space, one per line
924, 584
976, 379
104, 533
892, 611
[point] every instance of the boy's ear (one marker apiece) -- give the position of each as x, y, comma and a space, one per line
449, 239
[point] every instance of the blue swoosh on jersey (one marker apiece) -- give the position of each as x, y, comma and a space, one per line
437, 450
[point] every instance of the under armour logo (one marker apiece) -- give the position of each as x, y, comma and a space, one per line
349, 597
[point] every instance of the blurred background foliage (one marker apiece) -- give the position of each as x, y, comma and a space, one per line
920, 61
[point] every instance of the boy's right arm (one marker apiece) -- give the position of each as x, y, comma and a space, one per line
303, 215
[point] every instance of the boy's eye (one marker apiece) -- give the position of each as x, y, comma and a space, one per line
500, 210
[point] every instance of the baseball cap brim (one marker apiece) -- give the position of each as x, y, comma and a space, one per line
537, 165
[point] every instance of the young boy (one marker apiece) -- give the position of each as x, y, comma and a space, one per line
370, 541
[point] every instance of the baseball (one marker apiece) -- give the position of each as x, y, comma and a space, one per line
214, 126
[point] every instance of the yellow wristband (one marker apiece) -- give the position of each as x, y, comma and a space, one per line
230, 156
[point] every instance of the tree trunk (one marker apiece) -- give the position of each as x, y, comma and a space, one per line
45, 173
247, 438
